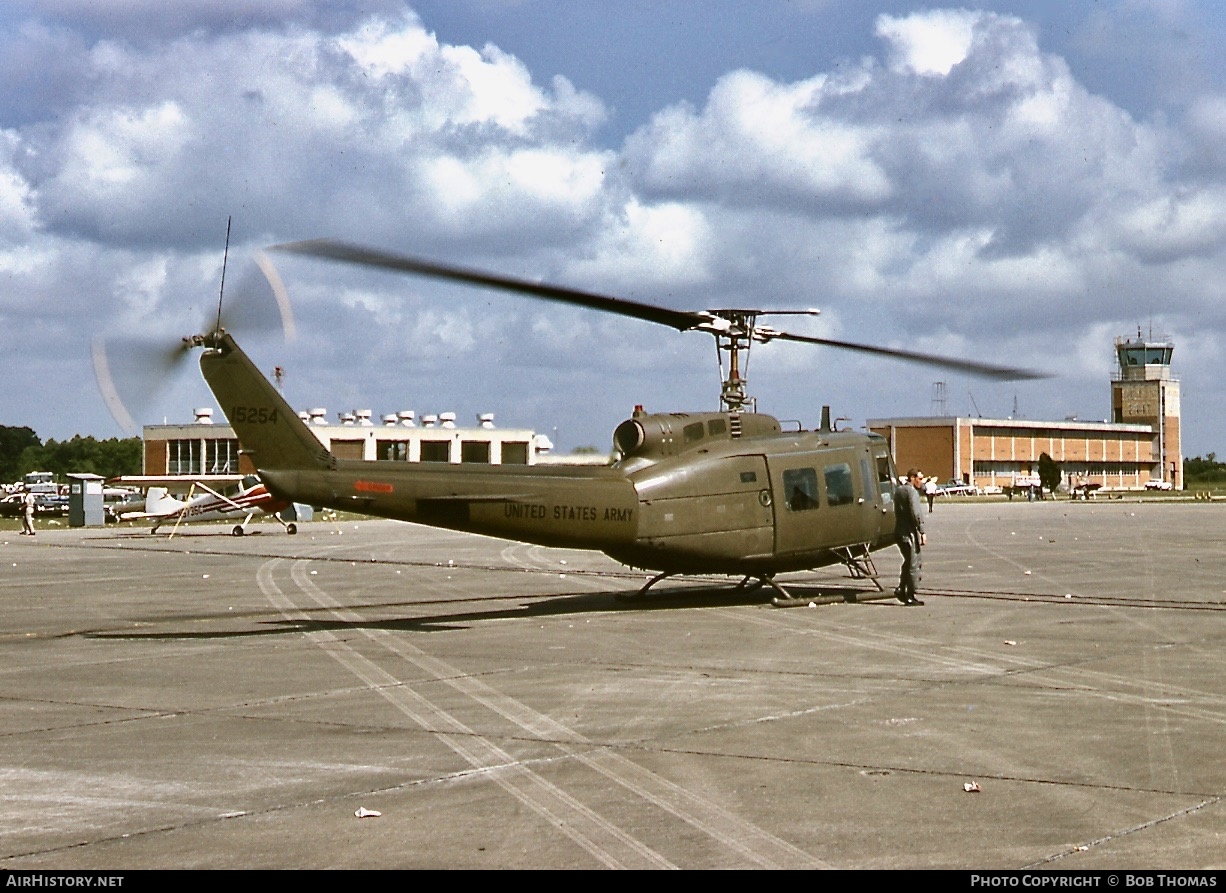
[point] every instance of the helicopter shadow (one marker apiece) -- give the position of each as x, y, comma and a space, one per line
675, 598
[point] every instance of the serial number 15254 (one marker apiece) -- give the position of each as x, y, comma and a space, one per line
255, 415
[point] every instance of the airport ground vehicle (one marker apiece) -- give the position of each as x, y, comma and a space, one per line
957, 488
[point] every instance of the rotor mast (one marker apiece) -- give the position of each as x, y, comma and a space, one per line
737, 338
735, 332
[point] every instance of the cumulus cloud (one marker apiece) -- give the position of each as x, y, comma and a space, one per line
959, 189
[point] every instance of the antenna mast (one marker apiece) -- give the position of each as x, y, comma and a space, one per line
225, 259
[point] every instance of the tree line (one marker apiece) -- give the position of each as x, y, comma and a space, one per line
21, 451
1204, 470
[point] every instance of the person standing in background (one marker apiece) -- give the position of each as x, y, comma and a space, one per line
910, 536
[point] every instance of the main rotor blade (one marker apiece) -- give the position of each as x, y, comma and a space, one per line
681, 320
257, 304
367, 257
970, 367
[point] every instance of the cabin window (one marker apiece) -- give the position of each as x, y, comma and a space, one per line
717, 428
885, 479
800, 489
693, 432
436, 451
838, 484
749, 477
866, 481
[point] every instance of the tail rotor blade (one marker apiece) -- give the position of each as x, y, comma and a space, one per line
131, 372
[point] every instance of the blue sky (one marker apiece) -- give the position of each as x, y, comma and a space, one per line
1018, 183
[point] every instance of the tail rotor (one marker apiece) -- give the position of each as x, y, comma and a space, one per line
132, 371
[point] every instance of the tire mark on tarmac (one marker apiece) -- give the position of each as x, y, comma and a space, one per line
756, 846
602, 840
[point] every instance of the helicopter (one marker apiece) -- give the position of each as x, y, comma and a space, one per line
727, 492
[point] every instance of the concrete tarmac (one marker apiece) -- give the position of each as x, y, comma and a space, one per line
210, 701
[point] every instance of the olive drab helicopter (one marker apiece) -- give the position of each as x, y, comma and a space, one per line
728, 492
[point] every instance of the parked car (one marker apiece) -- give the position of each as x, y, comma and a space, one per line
45, 505
957, 488
1159, 485
11, 505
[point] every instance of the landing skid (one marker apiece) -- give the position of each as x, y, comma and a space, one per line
747, 584
857, 558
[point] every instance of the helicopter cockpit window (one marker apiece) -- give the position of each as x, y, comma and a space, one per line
838, 484
800, 489
693, 432
717, 427
885, 479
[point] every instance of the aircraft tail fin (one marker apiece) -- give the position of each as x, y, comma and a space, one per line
158, 501
158, 504
267, 428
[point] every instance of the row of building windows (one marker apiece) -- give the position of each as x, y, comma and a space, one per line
1047, 434
202, 456
1069, 469
196, 456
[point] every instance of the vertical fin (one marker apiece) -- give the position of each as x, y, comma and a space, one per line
158, 501
268, 429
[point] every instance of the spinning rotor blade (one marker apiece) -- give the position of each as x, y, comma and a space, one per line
329, 249
738, 323
258, 304
132, 370
970, 367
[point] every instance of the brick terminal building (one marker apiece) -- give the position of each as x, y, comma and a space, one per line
1140, 443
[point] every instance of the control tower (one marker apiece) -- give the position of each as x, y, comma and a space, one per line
1143, 392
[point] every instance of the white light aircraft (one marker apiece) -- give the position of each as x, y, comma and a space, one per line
246, 500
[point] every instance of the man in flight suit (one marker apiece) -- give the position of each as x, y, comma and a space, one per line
909, 533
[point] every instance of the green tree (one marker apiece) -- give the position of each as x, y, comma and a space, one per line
1049, 472
84, 455
1205, 470
14, 442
